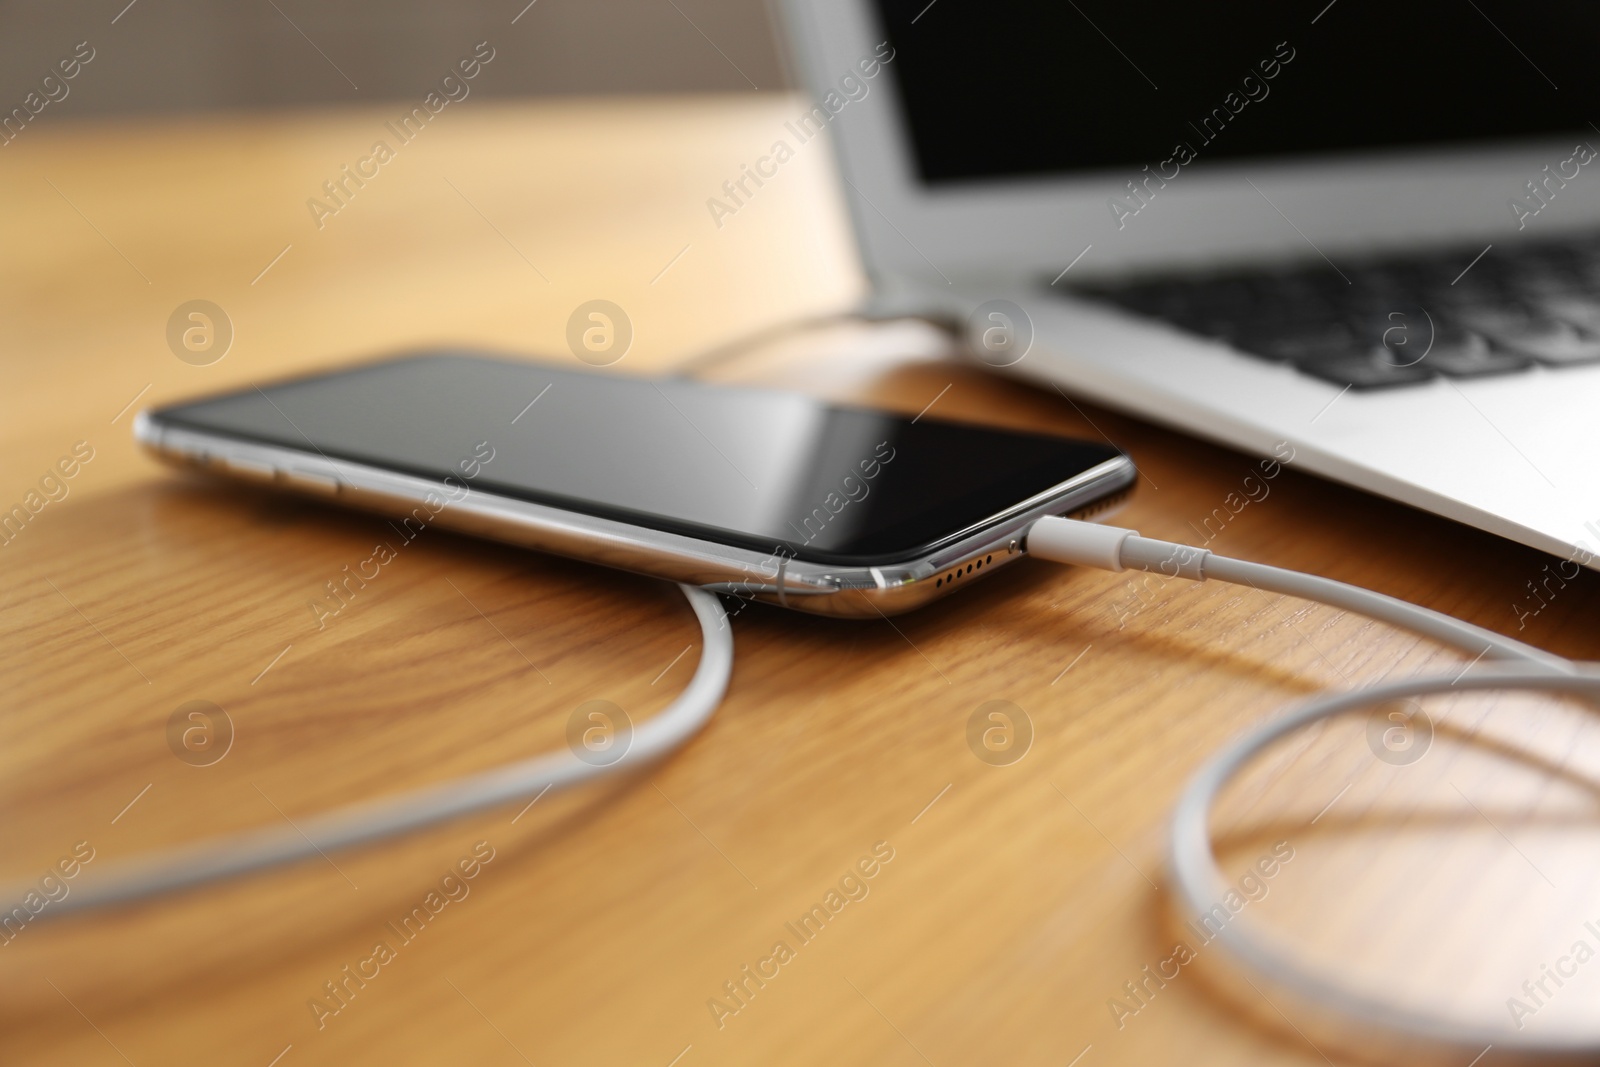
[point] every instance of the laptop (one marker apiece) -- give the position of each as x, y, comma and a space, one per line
1370, 232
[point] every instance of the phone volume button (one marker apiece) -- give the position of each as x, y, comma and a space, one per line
249, 468
311, 483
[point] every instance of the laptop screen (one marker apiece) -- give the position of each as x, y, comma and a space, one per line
1007, 89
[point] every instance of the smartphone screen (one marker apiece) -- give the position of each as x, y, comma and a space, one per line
752, 468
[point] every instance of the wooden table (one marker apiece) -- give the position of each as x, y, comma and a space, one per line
1019, 899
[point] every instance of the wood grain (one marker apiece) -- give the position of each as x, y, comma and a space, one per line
1019, 898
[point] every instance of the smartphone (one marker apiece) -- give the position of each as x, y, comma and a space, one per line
761, 494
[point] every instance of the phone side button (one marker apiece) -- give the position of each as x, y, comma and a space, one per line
249, 468
310, 483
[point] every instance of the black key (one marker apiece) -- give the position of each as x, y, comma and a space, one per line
1416, 337
1457, 353
1136, 296
1171, 303
1366, 370
1580, 311
1296, 339
1403, 327
1436, 269
1326, 283
1514, 306
1226, 294
1289, 297
1533, 285
1570, 268
1163, 300
1558, 257
1546, 267
1213, 306
1544, 339
1296, 308
1473, 290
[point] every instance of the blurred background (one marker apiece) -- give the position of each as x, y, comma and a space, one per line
184, 56
189, 153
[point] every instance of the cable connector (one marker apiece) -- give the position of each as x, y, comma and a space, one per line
1086, 544
1112, 548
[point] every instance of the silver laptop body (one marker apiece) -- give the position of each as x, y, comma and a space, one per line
1408, 295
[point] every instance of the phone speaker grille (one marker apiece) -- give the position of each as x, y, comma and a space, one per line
970, 567
974, 566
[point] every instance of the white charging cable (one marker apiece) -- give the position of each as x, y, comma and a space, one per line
361, 824
1197, 881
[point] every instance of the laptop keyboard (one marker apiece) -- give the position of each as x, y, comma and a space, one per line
1396, 322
